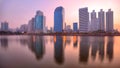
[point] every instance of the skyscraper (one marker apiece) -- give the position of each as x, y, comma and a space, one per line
75, 27
4, 26
83, 19
94, 22
39, 22
58, 19
101, 20
109, 21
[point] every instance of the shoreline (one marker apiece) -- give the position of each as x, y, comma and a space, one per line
68, 34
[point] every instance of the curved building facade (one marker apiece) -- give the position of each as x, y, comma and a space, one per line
58, 19
39, 21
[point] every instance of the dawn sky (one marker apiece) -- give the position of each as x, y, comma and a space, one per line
18, 12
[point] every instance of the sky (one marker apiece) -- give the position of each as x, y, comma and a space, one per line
18, 12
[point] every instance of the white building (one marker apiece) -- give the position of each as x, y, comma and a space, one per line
109, 21
83, 19
94, 24
31, 25
101, 20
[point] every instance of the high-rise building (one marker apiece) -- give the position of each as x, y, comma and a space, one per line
75, 26
58, 19
109, 21
94, 22
39, 22
31, 25
83, 19
4, 26
101, 20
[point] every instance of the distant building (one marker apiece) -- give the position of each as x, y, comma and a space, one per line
31, 25
58, 19
101, 20
109, 21
24, 28
51, 29
94, 24
39, 22
83, 19
68, 28
75, 26
4, 26
44, 25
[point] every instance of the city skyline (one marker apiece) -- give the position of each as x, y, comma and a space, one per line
10, 13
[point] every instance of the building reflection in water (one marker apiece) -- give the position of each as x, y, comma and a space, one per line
36, 44
75, 41
58, 49
24, 40
94, 47
101, 42
110, 43
68, 40
84, 49
98, 45
4, 42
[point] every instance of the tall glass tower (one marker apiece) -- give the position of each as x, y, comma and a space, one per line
58, 19
39, 21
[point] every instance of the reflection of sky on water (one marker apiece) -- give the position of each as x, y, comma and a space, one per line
90, 49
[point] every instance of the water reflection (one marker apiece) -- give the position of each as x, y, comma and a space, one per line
94, 47
68, 40
75, 41
110, 43
91, 48
101, 47
84, 49
36, 45
58, 49
4, 42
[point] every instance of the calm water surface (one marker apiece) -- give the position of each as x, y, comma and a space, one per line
59, 51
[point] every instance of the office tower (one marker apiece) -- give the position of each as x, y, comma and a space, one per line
39, 22
109, 21
31, 25
94, 22
4, 26
83, 19
101, 20
75, 27
58, 19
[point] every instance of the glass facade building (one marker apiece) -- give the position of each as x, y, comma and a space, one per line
75, 27
58, 19
39, 21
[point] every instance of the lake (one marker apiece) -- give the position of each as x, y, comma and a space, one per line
34, 51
